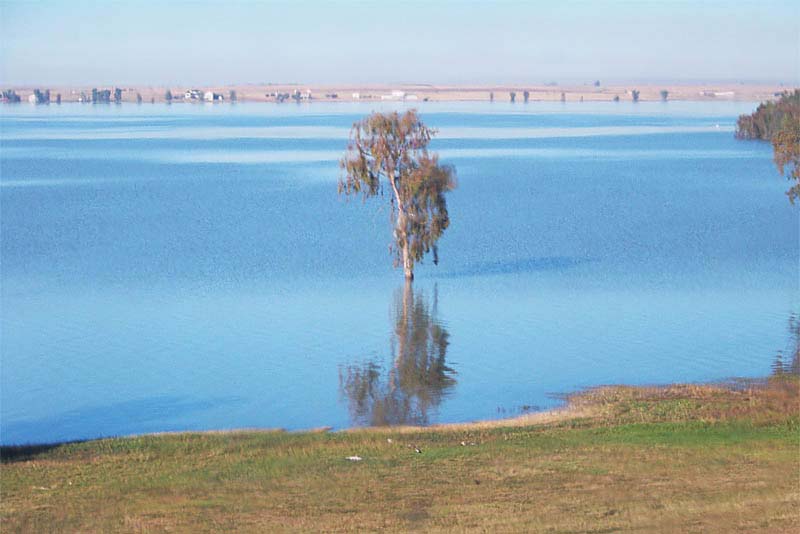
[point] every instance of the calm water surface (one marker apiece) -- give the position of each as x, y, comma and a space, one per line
191, 267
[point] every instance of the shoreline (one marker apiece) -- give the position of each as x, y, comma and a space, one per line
288, 93
666, 459
581, 404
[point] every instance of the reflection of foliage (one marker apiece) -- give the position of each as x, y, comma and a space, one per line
781, 367
419, 376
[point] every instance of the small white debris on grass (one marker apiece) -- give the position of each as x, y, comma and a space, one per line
354, 458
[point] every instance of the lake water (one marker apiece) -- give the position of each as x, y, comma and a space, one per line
191, 267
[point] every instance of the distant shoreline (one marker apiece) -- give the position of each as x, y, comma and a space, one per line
411, 93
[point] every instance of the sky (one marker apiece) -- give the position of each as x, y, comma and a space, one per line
488, 43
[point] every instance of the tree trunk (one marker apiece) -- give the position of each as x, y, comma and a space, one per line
400, 234
400, 231
408, 263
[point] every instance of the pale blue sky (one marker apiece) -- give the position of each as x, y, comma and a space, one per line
146, 42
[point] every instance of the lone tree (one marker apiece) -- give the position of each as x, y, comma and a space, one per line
513, 96
664, 95
392, 150
635, 95
526, 95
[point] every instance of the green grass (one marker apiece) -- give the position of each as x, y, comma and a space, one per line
679, 459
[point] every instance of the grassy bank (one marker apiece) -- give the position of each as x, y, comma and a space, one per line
681, 458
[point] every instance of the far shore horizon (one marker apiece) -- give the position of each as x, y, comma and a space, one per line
596, 92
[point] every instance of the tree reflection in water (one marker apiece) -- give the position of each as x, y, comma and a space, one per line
789, 364
418, 378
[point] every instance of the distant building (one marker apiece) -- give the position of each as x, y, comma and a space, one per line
717, 93
356, 96
213, 97
396, 95
32, 99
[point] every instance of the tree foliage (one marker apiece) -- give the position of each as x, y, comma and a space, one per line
391, 150
102, 96
513, 96
778, 122
11, 96
786, 152
41, 97
635, 95
768, 117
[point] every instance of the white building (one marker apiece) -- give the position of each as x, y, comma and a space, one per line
210, 96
